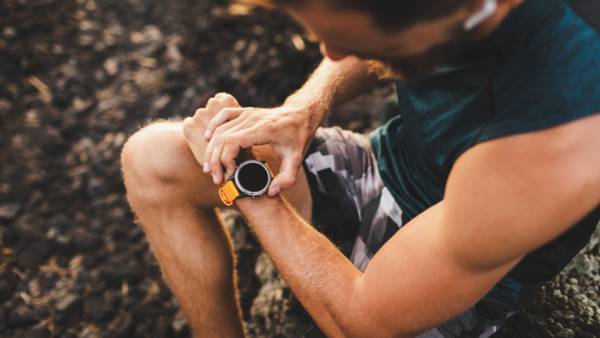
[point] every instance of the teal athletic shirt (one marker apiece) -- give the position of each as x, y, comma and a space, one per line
540, 69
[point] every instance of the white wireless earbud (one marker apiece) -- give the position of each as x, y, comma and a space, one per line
488, 9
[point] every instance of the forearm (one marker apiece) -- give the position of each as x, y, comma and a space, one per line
334, 83
393, 297
316, 271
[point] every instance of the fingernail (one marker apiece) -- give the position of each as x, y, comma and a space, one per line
274, 191
207, 134
205, 168
214, 177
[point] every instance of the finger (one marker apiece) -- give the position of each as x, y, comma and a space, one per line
239, 137
199, 111
228, 99
202, 115
230, 152
243, 139
192, 135
213, 104
223, 116
188, 127
229, 127
208, 151
286, 178
251, 136
220, 101
216, 168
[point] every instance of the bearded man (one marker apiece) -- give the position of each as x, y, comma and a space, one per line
442, 222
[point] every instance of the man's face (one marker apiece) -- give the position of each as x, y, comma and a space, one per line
410, 51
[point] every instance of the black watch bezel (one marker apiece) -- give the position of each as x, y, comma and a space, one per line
243, 190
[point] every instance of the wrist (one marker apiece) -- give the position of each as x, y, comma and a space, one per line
313, 110
251, 207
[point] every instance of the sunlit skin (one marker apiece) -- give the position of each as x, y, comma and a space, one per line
462, 241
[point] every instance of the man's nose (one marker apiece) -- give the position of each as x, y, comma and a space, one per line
331, 53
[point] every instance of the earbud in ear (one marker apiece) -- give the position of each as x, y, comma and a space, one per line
488, 9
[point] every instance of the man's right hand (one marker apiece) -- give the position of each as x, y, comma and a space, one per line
288, 129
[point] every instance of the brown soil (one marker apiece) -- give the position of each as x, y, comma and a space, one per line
78, 77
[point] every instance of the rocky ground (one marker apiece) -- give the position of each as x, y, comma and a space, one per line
76, 78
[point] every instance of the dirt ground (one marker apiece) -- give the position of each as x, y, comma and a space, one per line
76, 78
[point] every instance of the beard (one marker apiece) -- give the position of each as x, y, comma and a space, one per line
414, 67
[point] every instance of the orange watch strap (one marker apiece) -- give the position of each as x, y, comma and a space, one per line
228, 193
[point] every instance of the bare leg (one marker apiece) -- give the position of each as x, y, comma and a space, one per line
174, 201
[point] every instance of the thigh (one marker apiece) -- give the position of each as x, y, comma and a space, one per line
351, 205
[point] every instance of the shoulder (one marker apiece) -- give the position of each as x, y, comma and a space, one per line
547, 72
567, 154
549, 61
571, 147
524, 190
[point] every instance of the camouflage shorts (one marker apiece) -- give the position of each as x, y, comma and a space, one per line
353, 208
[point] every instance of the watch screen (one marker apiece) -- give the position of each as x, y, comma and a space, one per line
253, 177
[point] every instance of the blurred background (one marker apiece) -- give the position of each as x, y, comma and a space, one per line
76, 78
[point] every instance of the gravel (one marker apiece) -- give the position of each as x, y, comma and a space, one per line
78, 77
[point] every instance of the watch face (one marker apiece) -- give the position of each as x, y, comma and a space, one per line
252, 177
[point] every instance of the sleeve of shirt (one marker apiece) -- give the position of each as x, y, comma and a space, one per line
550, 76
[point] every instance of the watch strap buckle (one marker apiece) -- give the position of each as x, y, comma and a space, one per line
228, 193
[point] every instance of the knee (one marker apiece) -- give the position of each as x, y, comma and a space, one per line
154, 157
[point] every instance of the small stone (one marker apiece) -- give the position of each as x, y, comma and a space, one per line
68, 303
90, 331
111, 65
34, 288
80, 104
121, 326
22, 316
86, 40
566, 333
8, 211
179, 322
5, 105
60, 222
98, 310
9, 31
38, 332
161, 102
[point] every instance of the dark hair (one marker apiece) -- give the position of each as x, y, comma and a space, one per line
388, 14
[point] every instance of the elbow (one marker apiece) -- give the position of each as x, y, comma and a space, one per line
355, 315
363, 322
362, 318
373, 329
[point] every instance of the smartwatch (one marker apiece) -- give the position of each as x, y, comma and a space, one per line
250, 179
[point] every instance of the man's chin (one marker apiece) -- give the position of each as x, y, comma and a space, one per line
402, 70
383, 70
414, 67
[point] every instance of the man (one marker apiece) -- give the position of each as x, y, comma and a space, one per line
439, 224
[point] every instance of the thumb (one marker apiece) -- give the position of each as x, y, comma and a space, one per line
286, 177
